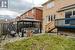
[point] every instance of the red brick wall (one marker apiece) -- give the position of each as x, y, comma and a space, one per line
37, 14
30, 13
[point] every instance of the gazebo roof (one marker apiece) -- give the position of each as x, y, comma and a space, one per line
30, 20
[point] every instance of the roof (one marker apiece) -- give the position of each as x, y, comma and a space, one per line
39, 8
46, 2
72, 6
29, 20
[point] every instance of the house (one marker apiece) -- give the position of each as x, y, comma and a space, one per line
35, 12
66, 19
60, 12
30, 20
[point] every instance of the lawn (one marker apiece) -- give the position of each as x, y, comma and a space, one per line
43, 42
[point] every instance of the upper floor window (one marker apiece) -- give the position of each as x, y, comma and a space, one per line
50, 5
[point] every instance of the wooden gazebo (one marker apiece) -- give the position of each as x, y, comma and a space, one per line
30, 24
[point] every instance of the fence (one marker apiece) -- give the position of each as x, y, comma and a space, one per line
3, 28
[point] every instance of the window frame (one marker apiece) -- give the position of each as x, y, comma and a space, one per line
68, 21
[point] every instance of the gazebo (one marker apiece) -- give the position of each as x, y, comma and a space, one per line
29, 24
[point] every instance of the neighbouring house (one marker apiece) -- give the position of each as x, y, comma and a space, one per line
35, 12
63, 11
3, 26
30, 20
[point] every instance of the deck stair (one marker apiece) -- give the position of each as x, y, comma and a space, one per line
50, 26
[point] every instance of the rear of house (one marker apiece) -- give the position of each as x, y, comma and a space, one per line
62, 13
67, 12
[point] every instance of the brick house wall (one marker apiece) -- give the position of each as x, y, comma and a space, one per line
34, 12
58, 4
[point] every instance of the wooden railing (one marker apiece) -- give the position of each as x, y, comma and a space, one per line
50, 26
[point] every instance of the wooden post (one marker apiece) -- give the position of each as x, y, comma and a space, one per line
29, 33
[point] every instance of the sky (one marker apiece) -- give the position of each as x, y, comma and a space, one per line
17, 7
24, 4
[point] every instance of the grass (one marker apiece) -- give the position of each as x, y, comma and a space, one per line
46, 42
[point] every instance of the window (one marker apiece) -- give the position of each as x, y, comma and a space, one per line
48, 18
51, 17
73, 12
50, 5
67, 15
54, 17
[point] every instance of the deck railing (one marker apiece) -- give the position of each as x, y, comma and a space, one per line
65, 22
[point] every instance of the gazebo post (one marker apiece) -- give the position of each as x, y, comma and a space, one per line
40, 27
18, 28
23, 29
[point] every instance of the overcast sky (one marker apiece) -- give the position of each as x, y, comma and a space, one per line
20, 6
